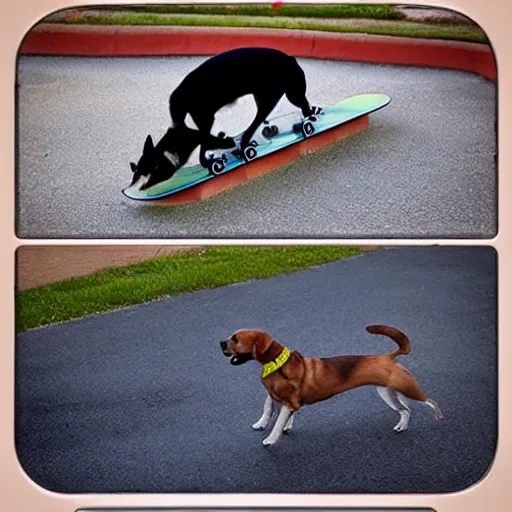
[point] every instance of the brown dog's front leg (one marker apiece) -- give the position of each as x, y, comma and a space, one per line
289, 424
268, 408
282, 419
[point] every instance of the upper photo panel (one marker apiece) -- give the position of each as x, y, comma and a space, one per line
273, 121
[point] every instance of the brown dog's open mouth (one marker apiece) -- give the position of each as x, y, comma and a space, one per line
239, 359
235, 359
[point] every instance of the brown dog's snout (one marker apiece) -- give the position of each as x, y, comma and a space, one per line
224, 348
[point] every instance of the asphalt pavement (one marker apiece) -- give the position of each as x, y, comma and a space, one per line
425, 168
142, 400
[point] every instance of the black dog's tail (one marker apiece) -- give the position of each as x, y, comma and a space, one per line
397, 336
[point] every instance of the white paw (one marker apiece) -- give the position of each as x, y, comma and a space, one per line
269, 441
260, 425
402, 425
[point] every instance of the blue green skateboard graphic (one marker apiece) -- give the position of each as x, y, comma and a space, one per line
271, 136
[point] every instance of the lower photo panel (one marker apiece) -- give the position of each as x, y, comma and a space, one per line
259, 510
256, 369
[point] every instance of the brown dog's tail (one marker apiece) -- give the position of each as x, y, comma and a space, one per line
399, 337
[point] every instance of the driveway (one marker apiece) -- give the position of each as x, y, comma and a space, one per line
142, 400
425, 168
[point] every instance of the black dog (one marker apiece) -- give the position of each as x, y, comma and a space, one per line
265, 73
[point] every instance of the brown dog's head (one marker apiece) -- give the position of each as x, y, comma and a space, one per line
245, 345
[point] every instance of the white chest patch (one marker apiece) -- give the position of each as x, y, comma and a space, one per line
173, 158
190, 122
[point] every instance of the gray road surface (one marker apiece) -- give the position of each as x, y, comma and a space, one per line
142, 400
424, 168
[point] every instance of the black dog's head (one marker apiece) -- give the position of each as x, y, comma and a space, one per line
159, 163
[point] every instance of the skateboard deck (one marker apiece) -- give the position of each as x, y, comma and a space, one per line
290, 129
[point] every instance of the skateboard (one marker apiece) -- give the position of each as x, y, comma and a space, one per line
271, 136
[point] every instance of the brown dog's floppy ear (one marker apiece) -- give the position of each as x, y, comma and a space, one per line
261, 344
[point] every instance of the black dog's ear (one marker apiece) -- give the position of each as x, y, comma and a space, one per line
148, 145
133, 167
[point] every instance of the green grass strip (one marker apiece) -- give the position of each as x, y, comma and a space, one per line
382, 12
463, 32
164, 277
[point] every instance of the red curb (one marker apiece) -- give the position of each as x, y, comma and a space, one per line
93, 40
103, 41
266, 164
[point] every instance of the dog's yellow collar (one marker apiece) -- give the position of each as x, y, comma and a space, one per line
277, 363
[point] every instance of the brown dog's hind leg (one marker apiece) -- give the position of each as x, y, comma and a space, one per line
393, 400
401, 380
438, 415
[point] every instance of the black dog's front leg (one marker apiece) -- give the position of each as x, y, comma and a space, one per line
202, 157
211, 143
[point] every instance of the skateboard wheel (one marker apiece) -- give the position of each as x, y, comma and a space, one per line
270, 131
308, 128
250, 153
267, 132
217, 166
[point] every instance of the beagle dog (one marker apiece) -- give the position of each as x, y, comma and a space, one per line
292, 380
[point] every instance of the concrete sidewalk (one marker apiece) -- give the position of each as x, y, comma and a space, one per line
40, 265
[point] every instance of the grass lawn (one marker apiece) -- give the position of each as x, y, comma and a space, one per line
368, 19
384, 12
163, 277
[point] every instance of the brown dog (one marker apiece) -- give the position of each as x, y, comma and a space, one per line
292, 380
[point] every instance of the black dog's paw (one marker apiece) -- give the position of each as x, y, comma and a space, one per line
316, 111
230, 141
221, 135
